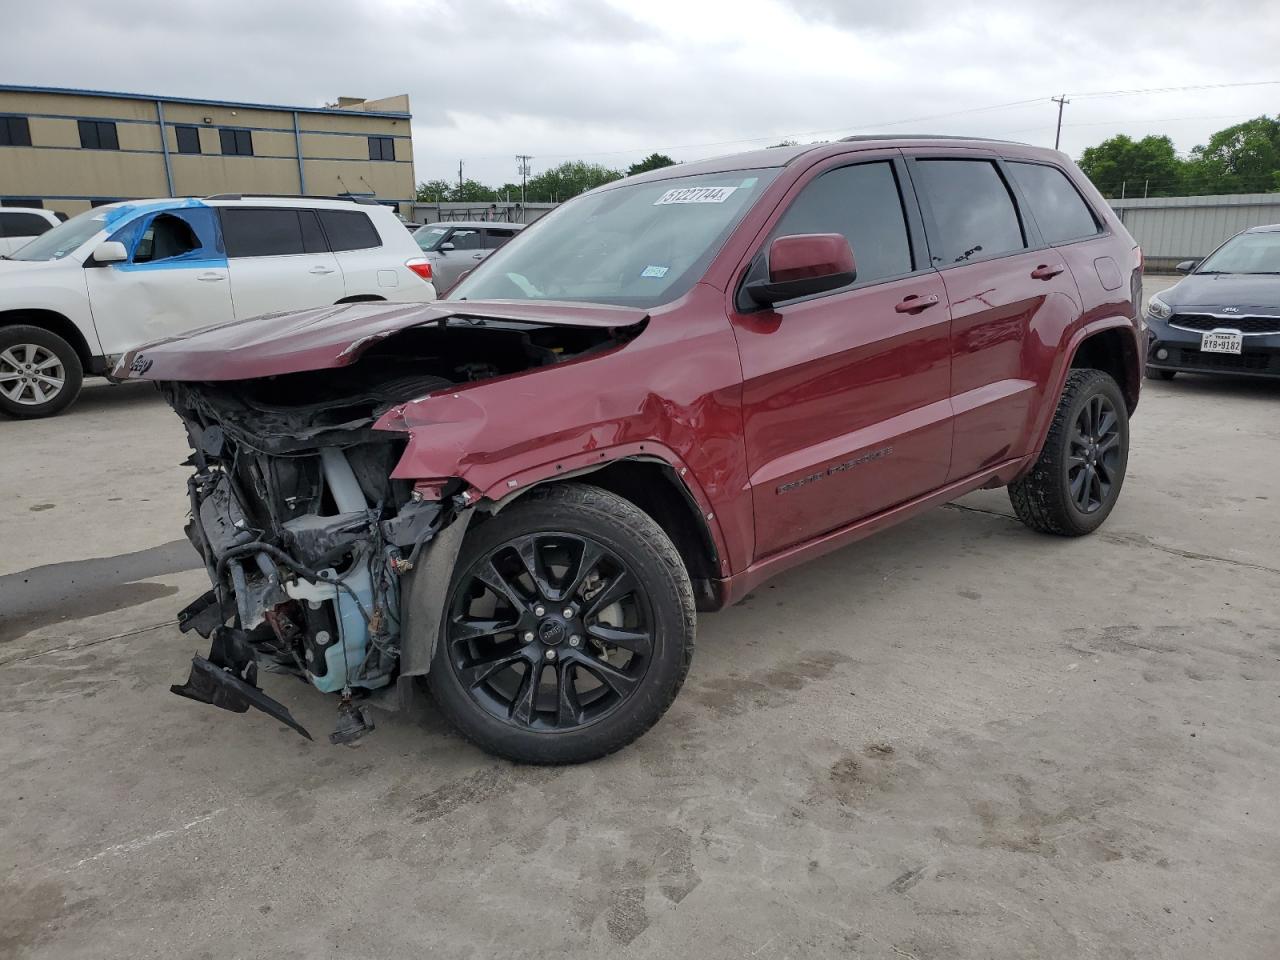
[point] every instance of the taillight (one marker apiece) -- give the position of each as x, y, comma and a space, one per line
421, 266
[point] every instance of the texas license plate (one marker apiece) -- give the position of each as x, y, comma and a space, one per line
1221, 342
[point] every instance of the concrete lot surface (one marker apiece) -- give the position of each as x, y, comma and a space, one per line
958, 739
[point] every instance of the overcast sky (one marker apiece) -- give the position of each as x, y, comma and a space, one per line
611, 81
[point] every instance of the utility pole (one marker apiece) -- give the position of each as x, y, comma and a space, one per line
523, 168
459, 178
1061, 101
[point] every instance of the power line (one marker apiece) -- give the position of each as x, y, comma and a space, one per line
896, 123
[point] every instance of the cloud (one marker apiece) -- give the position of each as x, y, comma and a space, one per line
612, 81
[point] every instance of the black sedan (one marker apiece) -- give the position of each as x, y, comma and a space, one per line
1224, 316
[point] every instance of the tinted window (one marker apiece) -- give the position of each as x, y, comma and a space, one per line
465, 240
15, 132
862, 202
349, 230
236, 143
98, 134
1060, 211
22, 225
188, 139
249, 232
496, 238
312, 237
973, 214
382, 148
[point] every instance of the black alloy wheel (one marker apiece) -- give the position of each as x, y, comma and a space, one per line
1093, 460
550, 631
568, 629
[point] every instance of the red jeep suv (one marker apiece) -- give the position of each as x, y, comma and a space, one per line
664, 392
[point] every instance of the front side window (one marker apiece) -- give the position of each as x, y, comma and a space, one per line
1060, 211
23, 224
465, 240
1247, 253
863, 203
188, 139
382, 148
637, 244
270, 232
973, 213
98, 135
235, 142
349, 230
15, 132
63, 239
172, 237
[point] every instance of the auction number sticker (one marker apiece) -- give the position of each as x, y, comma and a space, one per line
695, 195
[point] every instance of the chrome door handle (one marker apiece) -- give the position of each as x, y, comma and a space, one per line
210, 276
321, 271
478, 256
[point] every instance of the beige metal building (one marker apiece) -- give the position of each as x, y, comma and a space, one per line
68, 150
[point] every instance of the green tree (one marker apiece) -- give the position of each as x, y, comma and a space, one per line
1122, 163
568, 180
472, 191
1244, 158
654, 161
433, 191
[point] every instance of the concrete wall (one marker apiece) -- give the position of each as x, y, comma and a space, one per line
510, 212
1171, 229
296, 150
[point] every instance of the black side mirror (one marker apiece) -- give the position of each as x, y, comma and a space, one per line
1186, 266
802, 265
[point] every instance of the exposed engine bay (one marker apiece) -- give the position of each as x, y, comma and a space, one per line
303, 532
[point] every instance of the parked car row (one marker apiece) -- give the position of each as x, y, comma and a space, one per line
82, 292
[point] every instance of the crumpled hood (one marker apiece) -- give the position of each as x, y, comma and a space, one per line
1254, 294
329, 337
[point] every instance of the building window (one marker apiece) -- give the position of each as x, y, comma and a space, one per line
236, 143
15, 132
382, 148
188, 139
98, 135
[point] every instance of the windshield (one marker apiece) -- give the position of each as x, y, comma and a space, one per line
64, 238
635, 245
1247, 253
429, 237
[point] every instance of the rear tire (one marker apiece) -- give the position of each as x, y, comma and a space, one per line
1074, 484
40, 373
1154, 374
568, 630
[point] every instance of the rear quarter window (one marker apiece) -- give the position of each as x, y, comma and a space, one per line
349, 230
23, 225
1060, 211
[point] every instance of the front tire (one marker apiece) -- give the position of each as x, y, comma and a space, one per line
40, 373
568, 631
1074, 484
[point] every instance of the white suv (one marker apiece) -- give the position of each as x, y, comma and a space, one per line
76, 297
20, 225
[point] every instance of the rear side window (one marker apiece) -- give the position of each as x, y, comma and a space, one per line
973, 214
349, 230
22, 225
863, 203
268, 232
496, 238
1060, 211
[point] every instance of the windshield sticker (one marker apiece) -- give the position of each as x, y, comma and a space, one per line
695, 195
654, 271
748, 183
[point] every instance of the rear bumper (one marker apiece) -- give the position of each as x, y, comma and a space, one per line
1170, 348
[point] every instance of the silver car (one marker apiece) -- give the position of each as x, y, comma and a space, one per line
456, 247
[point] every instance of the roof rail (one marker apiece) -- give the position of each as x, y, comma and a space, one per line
291, 196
